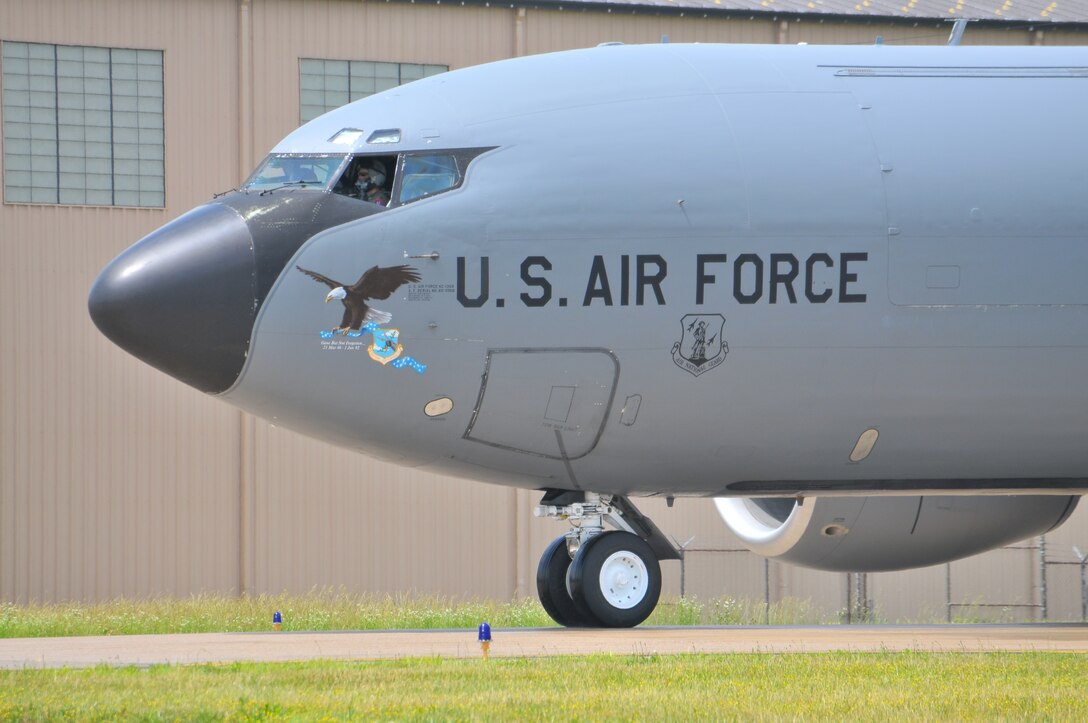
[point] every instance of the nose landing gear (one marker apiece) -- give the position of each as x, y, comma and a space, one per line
593, 578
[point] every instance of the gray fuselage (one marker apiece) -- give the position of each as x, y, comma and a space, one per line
707, 270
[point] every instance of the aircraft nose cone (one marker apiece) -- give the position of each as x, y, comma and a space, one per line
183, 299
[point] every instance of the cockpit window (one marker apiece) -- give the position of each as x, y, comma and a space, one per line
304, 171
387, 135
383, 179
368, 178
346, 136
426, 175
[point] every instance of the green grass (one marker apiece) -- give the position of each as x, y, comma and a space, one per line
774, 686
214, 613
347, 611
834, 686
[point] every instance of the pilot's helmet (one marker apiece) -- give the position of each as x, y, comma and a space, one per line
377, 173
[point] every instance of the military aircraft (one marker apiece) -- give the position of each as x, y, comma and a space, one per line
842, 290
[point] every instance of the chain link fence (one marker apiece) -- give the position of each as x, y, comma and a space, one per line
1048, 583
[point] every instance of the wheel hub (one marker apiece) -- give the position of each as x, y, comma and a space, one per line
623, 579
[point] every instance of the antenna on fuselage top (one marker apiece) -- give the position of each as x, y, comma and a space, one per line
957, 31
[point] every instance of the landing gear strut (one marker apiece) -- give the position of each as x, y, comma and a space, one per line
593, 578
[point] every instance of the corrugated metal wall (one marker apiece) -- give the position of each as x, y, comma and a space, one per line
115, 480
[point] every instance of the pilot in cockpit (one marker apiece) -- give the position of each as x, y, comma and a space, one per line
370, 183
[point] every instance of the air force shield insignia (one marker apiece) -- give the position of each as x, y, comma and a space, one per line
701, 347
386, 346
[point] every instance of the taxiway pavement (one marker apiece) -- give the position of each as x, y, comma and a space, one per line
144, 650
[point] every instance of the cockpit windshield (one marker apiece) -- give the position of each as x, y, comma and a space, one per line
302, 171
384, 179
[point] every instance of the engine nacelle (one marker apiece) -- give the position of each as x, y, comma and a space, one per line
874, 534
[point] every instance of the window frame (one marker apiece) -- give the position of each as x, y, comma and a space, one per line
463, 157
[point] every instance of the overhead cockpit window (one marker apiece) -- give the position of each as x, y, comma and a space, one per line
303, 171
427, 175
346, 137
388, 135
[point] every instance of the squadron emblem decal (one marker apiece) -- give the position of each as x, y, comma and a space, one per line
385, 347
701, 347
360, 318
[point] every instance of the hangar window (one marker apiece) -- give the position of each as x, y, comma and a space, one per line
83, 125
328, 84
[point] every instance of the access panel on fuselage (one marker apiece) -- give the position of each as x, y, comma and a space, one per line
545, 402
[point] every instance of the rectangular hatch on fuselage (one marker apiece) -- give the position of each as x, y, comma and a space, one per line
545, 402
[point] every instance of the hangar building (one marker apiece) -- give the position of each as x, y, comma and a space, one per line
116, 480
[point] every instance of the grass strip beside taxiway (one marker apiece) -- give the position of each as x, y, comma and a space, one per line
327, 610
833, 686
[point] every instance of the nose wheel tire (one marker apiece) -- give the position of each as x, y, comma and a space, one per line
551, 587
618, 578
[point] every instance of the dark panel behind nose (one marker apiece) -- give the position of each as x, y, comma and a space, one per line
183, 299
